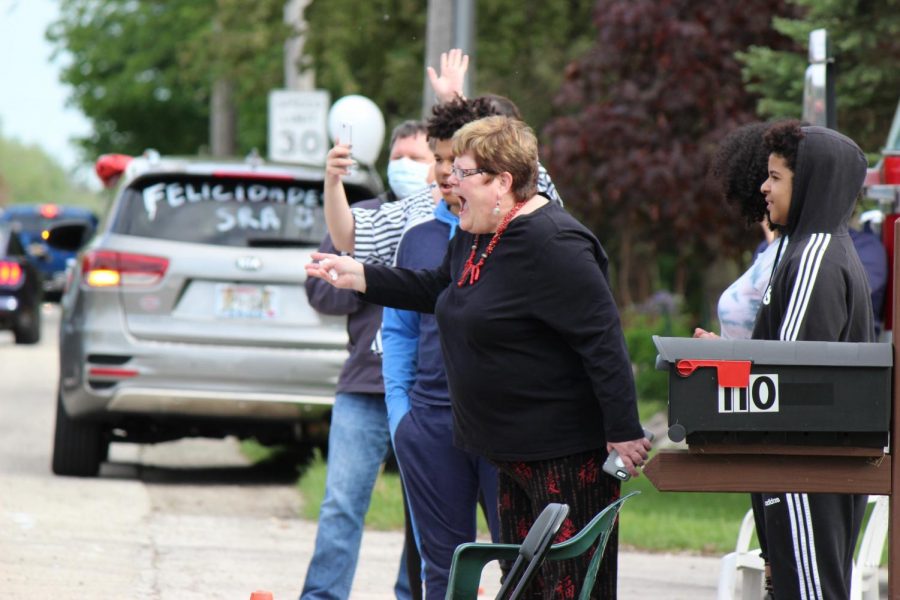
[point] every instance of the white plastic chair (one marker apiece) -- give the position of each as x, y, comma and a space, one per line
864, 585
747, 562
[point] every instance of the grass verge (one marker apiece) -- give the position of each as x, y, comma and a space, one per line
654, 521
700, 523
385, 510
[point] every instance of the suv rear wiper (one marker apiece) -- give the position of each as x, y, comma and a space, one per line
271, 242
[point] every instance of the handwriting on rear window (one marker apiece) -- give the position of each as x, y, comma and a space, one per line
263, 219
176, 195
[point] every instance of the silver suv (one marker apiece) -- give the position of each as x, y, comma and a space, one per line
186, 314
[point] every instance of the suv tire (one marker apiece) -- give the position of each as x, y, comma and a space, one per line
28, 328
78, 446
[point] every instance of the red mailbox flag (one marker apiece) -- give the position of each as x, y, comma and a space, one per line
730, 373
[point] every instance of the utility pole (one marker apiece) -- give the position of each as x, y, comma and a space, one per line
451, 24
222, 111
294, 79
223, 119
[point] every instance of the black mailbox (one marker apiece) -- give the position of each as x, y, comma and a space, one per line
770, 392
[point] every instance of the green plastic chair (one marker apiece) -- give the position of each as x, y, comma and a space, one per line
469, 559
534, 549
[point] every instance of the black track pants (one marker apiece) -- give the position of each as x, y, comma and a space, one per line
810, 539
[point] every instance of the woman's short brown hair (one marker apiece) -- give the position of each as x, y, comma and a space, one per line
502, 145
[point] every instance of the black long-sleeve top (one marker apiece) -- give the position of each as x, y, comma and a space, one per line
535, 357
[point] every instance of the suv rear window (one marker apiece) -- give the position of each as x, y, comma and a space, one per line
225, 211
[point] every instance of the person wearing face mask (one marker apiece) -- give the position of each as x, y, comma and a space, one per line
406, 175
358, 440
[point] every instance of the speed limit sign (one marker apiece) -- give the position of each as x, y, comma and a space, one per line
297, 126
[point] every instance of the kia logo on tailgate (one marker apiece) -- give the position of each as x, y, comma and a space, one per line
249, 263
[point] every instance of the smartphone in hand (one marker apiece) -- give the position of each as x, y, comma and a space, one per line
614, 466
346, 139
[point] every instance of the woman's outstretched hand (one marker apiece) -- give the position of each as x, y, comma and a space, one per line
633, 453
340, 271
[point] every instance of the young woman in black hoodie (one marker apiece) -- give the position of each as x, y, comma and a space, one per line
818, 291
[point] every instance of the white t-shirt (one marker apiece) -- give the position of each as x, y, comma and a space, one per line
740, 302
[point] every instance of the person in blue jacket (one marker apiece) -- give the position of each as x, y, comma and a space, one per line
442, 482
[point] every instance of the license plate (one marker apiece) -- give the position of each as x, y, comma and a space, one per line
246, 301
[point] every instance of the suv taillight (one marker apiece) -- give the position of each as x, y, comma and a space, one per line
106, 268
10, 274
890, 170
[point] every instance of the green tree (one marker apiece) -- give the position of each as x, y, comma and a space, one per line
142, 71
865, 38
376, 49
641, 112
370, 48
28, 175
524, 47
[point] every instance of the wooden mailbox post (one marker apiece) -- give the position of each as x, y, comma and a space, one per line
785, 468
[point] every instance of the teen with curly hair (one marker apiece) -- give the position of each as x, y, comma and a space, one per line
817, 292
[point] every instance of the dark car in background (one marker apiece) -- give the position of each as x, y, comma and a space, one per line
186, 313
20, 289
32, 221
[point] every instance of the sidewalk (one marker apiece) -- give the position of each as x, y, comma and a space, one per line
642, 575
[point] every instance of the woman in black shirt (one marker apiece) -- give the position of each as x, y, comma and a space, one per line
540, 379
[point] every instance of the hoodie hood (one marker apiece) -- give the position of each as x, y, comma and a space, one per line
829, 174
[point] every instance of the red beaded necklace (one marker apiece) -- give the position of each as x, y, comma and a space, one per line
473, 271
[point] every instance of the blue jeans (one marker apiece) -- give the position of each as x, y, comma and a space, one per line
357, 445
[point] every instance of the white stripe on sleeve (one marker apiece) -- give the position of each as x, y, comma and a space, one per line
810, 261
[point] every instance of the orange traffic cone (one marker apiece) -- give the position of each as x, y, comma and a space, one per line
261, 595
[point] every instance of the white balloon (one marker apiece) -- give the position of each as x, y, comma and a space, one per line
367, 124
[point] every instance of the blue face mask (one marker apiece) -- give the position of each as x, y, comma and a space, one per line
407, 176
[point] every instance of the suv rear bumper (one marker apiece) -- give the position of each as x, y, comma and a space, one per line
109, 376
182, 402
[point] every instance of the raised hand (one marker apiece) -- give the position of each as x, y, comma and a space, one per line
449, 84
338, 161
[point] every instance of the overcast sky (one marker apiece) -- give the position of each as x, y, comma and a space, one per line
32, 100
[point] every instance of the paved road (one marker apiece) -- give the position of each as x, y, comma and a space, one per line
188, 520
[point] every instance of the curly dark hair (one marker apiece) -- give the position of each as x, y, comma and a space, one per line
448, 117
503, 105
783, 138
739, 167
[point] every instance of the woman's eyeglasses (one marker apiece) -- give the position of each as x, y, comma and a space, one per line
463, 173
